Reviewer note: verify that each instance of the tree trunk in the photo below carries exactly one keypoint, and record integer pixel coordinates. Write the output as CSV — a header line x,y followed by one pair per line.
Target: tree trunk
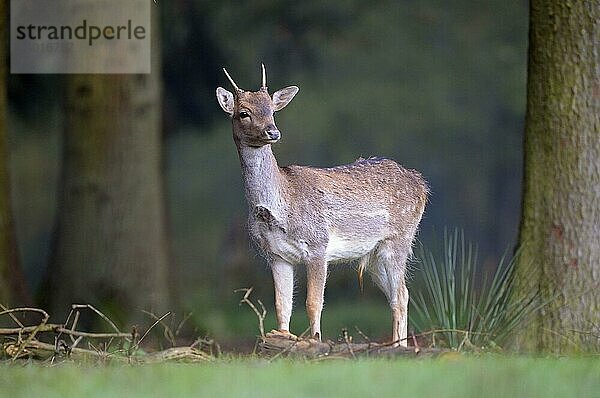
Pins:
x,y
13,289
560,226
110,245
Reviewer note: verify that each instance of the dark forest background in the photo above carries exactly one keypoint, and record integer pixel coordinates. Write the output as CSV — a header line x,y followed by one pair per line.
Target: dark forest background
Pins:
x,y
437,87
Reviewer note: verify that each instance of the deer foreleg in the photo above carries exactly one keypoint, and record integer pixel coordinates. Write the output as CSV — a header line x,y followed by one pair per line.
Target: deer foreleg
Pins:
x,y
283,278
316,275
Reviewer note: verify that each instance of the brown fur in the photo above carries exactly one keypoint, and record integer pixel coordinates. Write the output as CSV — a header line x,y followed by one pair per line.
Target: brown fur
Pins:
x,y
367,211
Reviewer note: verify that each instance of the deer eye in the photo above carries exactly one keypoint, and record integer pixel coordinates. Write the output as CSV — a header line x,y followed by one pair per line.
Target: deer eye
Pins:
x,y
244,115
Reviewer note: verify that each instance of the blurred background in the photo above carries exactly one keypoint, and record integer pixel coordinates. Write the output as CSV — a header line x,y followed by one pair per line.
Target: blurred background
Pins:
x,y
438,86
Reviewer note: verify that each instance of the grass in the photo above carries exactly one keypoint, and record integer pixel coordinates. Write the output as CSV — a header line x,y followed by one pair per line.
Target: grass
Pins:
x,y
452,377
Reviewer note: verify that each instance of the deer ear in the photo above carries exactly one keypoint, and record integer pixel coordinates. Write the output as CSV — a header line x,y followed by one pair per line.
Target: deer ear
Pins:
x,y
225,99
283,97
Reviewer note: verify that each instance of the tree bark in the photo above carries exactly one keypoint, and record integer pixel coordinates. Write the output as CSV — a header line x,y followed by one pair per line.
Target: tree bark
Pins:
x,y
13,288
110,246
560,226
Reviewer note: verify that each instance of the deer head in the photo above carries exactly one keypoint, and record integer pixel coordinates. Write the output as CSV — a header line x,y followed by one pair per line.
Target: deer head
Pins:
x,y
252,111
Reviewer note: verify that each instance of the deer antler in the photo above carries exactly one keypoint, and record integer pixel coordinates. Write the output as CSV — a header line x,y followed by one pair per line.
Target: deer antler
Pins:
x,y
264,77
231,81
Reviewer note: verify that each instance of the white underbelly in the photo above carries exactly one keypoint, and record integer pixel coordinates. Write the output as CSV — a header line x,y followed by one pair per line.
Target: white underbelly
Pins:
x,y
342,248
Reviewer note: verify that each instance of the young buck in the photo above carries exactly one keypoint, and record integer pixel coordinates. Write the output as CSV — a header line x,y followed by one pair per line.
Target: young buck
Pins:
x,y
365,212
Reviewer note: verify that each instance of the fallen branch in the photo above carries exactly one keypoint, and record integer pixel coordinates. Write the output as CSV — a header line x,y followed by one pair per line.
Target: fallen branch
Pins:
x,y
177,354
42,350
56,328
286,350
314,349
22,341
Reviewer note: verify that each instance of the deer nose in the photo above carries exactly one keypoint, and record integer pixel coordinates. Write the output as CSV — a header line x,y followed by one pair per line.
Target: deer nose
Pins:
x,y
273,134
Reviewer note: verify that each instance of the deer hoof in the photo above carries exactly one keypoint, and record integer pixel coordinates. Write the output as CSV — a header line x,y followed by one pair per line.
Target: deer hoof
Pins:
x,y
282,334
399,343
315,339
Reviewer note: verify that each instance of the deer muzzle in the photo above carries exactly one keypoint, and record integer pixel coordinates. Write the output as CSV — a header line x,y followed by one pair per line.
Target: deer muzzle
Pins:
x,y
272,135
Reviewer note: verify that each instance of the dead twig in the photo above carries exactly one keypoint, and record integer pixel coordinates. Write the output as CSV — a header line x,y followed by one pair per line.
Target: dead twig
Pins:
x,y
361,334
167,332
35,330
433,333
586,333
98,312
415,342
260,314
12,315
183,321
136,346
24,309
210,343
80,353
347,340
562,336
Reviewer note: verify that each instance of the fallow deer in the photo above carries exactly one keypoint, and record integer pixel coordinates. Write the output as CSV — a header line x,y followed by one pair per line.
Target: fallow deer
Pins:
x,y
366,212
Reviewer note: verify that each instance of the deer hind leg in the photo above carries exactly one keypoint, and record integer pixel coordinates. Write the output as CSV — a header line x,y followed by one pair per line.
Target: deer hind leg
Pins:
x,y
388,269
283,278
316,275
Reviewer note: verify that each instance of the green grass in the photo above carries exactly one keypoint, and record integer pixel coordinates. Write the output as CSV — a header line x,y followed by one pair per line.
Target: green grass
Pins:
x,y
457,377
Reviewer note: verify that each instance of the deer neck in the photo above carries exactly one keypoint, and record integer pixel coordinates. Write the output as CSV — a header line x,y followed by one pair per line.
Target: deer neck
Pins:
x,y
263,181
